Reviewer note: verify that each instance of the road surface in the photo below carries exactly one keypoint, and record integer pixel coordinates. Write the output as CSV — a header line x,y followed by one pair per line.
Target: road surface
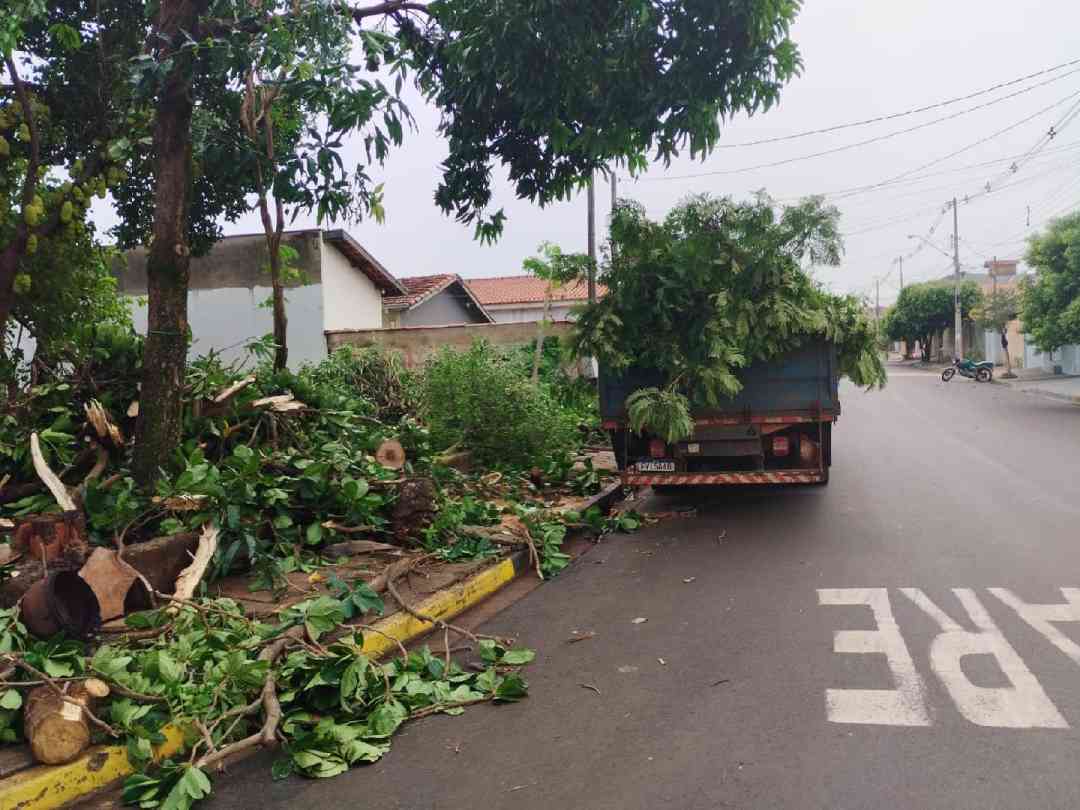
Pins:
x,y
750,685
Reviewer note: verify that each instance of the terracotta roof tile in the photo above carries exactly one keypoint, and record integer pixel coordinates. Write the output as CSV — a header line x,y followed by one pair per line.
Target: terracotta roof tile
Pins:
x,y
524,290
416,288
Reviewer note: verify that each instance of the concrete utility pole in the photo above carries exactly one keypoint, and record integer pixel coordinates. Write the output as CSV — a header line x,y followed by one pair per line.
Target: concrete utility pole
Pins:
x,y
877,302
901,260
592,239
614,202
958,326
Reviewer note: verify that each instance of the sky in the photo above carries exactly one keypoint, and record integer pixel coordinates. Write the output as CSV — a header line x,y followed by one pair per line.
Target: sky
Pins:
x,y
862,59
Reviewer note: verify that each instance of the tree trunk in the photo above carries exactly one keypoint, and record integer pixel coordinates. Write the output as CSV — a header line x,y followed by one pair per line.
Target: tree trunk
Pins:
x,y
157,432
273,247
540,336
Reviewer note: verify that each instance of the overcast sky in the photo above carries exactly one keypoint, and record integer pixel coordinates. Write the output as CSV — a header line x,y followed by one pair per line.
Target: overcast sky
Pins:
x,y
863,58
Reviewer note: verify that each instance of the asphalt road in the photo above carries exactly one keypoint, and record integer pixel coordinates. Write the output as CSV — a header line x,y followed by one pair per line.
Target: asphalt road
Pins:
x,y
722,698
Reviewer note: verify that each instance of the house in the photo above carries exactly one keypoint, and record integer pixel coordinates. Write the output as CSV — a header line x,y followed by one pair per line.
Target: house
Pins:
x,y
516,299
338,285
441,300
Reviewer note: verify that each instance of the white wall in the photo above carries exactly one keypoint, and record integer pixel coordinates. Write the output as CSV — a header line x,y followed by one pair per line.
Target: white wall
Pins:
x,y
350,299
226,319
508,313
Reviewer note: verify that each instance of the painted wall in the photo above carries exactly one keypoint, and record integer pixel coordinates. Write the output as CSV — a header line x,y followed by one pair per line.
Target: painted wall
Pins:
x,y
1067,357
417,344
226,319
350,300
508,313
448,307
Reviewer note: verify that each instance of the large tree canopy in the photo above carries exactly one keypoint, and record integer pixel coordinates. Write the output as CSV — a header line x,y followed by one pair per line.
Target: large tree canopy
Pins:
x,y
719,285
1050,303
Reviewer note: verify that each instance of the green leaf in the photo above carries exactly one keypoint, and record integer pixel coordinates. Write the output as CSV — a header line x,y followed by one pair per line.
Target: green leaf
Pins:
x,y
512,688
384,721
323,615
517,657
10,699
314,534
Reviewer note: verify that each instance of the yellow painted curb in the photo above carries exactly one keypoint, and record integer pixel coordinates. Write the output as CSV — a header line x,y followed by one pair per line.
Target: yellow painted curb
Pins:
x,y
44,787
443,605
48,786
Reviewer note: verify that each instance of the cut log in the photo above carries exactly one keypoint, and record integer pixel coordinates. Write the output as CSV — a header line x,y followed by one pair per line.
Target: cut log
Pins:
x,y
277,399
191,576
181,503
462,460
56,726
53,538
48,477
133,409
117,586
415,509
391,454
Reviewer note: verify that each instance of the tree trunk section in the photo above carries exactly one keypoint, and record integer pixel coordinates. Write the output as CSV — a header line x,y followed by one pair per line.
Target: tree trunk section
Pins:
x,y
157,431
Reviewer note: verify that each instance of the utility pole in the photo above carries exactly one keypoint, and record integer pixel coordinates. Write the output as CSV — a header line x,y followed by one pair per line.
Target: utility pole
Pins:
x,y
958,326
877,302
592,239
901,273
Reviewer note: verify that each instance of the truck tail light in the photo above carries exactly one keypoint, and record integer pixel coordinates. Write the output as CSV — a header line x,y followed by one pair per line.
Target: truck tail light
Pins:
x,y
657,448
780,446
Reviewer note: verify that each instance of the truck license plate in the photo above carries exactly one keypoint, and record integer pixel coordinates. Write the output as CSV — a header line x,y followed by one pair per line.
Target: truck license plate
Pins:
x,y
656,466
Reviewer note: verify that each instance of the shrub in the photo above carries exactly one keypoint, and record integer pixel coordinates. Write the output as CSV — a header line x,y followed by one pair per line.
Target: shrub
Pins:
x,y
477,400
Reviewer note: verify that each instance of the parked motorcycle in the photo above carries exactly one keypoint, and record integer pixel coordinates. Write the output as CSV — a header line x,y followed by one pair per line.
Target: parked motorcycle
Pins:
x,y
980,372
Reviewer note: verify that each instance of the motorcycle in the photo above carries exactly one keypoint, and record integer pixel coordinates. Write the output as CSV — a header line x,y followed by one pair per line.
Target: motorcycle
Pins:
x,y
980,372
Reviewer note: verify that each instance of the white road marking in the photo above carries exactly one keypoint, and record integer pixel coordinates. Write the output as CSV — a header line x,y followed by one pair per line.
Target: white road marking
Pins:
x,y
1023,705
903,706
1041,616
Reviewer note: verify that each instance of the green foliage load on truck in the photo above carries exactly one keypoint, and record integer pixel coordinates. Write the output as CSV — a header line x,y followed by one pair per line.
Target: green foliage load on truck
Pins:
x,y
715,287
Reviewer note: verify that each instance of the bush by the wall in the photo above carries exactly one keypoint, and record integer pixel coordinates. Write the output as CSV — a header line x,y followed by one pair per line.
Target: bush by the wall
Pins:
x,y
480,401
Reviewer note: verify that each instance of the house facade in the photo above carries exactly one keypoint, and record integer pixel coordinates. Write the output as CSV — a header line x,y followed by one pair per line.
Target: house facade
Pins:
x,y
441,300
340,286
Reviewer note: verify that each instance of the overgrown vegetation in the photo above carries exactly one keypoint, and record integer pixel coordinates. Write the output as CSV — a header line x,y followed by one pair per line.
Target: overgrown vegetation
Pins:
x,y
280,487
478,400
717,286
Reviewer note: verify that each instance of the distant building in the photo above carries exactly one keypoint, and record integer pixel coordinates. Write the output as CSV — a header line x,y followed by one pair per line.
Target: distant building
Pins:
x,y
442,300
514,299
342,287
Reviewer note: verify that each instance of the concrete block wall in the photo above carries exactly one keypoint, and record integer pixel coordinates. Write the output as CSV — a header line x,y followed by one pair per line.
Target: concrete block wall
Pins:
x,y
417,344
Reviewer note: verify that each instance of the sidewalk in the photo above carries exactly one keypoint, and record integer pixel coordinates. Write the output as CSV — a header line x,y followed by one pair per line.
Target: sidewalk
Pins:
x,y
1055,386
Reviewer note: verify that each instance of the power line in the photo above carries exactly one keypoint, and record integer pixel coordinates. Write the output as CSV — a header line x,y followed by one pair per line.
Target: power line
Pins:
x,y
970,146
857,144
893,116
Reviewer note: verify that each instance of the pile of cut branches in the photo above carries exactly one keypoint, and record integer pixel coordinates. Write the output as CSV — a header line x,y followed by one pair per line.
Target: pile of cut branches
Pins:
x,y
715,287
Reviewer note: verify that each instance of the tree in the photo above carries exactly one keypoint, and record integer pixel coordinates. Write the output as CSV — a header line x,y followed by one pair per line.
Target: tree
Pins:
x,y
925,310
715,287
994,314
506,77
1050,302
557,269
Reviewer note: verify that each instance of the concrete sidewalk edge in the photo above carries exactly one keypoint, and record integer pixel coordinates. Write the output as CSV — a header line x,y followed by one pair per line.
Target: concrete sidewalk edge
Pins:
x,y
44,787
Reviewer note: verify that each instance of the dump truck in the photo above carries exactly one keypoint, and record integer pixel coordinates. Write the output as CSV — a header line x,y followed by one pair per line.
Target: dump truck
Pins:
x,y
776,430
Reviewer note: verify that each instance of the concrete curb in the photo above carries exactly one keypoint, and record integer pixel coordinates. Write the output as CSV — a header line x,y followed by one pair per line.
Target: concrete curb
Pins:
x,y
44,787
1072,399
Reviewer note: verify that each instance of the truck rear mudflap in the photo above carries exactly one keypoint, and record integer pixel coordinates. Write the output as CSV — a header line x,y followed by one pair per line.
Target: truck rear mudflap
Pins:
x,y
632,478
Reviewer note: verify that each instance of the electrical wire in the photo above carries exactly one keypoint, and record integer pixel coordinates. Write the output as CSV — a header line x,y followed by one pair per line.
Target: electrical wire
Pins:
x,y
894,116
856,144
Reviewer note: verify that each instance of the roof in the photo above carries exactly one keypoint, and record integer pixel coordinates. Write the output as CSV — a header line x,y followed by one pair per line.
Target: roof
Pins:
x,y
419,289
525,290
364,262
